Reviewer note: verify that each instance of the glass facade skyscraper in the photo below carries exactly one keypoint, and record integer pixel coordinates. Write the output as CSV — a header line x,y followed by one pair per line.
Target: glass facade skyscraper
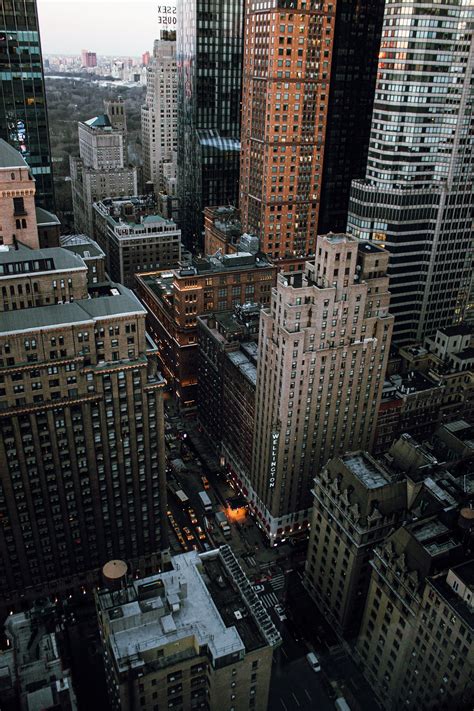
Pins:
x,y
356,45
209,58
417,195
23,116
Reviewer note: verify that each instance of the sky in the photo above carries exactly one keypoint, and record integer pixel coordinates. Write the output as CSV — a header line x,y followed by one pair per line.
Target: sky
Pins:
x,y
110,27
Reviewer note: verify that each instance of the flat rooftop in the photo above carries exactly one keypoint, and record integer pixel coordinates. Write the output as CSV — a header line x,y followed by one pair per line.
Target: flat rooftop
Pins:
x,y
410,383
206,597
121,303
461,329
367,470
241,361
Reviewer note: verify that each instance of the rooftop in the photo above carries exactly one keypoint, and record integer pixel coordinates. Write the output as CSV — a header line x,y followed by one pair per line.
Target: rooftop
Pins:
x,y
24,261
369,247
460,329
121,303
101,121
43,217
372,474
409,383
82,245
241,360
206,598
10,157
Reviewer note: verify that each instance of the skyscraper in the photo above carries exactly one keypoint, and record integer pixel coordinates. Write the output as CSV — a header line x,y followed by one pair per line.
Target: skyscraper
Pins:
x,y
159,114
81,427
416,198
308,87
355,56
287,70
323,350
23,115
209,55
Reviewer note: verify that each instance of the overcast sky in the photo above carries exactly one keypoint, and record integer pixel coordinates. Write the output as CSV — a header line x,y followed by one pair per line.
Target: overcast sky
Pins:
x,y
115,27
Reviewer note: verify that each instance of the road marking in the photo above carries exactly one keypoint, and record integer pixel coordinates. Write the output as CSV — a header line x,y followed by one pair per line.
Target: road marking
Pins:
x,y
297,702
308,694
283,704
269,600
283,652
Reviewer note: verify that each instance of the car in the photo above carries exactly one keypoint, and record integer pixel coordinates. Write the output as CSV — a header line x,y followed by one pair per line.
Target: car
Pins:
x,y
205,482
192,515
188,534
313,662
201,534
258,588
280,611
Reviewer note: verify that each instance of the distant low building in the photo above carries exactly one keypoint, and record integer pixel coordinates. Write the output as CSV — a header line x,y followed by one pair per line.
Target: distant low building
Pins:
x,y
196,637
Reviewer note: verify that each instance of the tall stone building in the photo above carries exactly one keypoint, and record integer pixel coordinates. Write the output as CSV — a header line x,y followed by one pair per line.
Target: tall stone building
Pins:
x,y
308,88
195,637
416,641
160,113
372,497
23,110
323,350
416,197
101,170
209,56
81,428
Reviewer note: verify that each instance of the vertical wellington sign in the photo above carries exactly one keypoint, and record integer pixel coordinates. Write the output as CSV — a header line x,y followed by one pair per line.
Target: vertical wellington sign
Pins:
x,y
167,16
273,458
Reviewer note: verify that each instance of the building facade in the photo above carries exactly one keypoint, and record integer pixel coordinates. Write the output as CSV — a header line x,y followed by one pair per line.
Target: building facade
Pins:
x,y
81,428
370,500
227,375
23,110
287,71
323,350
209,55
416,197
160,113
416,640
357,34
17,199
201,638
101,170
134,238
176,299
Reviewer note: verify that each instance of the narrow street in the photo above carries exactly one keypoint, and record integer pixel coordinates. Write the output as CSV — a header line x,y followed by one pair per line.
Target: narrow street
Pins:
x,y
277,577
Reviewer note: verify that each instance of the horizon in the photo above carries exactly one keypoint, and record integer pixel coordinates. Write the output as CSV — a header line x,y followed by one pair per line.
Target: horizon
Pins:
x,y
129,30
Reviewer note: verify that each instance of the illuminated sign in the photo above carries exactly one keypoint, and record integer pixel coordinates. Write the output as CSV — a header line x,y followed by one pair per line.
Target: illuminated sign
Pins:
x,y
273,459
167,15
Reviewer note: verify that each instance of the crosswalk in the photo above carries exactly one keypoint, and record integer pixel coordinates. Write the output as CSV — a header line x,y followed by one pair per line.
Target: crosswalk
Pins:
x,y
268,600
278,582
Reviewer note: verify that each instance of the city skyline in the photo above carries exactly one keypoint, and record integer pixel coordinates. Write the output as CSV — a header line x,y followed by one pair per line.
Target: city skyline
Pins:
x,y
121,33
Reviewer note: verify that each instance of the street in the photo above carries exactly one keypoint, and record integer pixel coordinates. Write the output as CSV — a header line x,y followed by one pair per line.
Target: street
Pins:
x,y
277,577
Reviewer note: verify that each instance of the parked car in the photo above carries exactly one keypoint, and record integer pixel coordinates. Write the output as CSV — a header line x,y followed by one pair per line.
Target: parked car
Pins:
x,y
313,662
280,611
258,589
